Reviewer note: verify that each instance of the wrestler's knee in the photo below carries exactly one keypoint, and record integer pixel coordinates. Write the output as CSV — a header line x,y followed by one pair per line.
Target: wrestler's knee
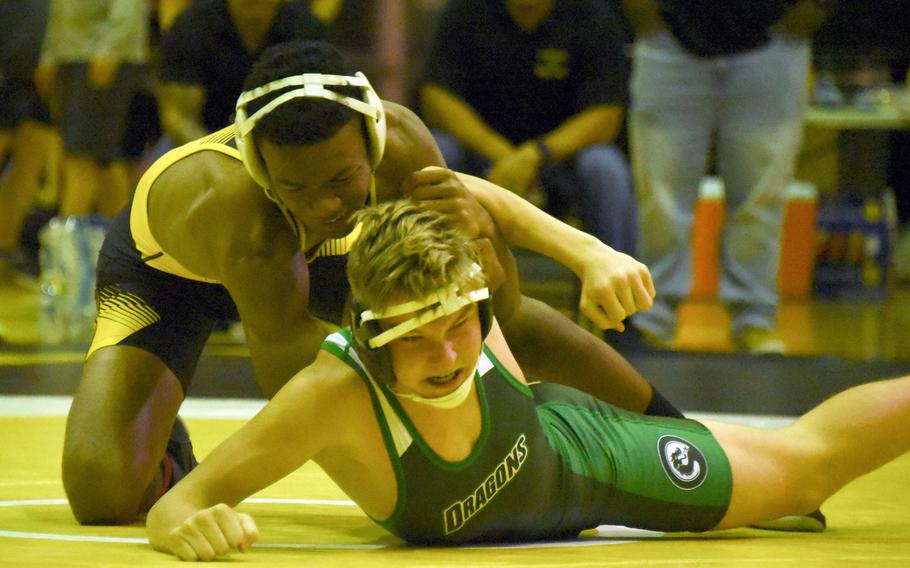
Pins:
x,y
102,489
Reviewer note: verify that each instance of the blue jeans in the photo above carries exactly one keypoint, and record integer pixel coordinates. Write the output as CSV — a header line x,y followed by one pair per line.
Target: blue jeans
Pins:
x,y
595,184
749,109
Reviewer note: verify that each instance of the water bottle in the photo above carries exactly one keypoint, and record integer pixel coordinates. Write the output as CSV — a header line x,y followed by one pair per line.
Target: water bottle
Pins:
x,y
68,257
710,213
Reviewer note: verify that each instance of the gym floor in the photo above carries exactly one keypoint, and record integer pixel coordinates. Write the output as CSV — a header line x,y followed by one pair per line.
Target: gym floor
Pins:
x,y
307,519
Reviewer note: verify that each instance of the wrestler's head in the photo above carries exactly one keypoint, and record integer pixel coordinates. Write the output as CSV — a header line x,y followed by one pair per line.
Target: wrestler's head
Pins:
x,y
422,306
310,132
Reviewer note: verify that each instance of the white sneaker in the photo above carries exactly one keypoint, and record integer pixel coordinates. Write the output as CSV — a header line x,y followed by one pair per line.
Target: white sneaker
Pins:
x,y
760,341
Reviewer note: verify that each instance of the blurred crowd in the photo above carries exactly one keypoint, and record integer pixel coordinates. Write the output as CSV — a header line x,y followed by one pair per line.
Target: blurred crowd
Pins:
x,y
608,113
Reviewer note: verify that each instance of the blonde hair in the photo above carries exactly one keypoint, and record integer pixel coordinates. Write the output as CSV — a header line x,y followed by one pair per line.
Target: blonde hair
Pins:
x,y
403,247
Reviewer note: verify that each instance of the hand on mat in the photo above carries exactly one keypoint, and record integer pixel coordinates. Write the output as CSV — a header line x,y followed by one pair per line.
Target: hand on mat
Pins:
x,y
213,532
613,287
441,190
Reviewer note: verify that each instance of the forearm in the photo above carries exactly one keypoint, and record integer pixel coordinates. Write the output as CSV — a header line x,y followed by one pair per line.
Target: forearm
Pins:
x,y
526,226
596,125
447,111
277,359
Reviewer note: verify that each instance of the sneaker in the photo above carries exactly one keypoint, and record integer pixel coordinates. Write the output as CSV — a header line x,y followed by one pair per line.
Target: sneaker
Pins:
x,y
178,461
655,342
180,452
635,340
760,341
813,522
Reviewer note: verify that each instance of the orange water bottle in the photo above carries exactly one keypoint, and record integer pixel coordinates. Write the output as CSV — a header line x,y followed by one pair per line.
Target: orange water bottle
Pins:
x,y
798,240
710,211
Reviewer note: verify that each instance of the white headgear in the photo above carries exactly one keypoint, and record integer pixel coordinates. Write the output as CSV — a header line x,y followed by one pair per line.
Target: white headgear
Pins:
x,y
310,85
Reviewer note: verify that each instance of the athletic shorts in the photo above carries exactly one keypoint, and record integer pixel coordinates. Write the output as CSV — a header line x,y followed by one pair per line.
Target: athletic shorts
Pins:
x,y
166,315
20,102
649,472
93,121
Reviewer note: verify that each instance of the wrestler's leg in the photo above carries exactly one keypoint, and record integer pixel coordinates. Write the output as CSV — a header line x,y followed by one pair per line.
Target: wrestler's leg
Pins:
x,y
116,433
792,470
550,347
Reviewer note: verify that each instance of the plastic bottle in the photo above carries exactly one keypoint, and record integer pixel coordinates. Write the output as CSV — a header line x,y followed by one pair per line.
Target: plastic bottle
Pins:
x,y
68,257
798,240
710,212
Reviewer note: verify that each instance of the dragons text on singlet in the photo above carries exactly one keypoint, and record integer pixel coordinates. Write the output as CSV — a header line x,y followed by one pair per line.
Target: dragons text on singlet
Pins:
x,y
460,512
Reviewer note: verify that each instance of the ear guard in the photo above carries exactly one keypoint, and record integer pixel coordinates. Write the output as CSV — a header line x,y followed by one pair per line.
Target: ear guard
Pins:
x,y
370,339
311,85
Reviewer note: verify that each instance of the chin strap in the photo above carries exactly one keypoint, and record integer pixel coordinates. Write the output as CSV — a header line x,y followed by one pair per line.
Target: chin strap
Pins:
x,y
446,401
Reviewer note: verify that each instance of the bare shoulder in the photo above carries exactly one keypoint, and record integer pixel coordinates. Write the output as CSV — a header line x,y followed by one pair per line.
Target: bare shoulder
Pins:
x,y
332,394
205,205
409,147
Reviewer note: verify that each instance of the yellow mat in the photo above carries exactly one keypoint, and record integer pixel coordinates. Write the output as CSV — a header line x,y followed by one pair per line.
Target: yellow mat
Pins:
x,y
306,520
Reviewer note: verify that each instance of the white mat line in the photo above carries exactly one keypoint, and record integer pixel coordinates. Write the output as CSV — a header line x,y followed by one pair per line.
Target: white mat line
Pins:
x,y
244,409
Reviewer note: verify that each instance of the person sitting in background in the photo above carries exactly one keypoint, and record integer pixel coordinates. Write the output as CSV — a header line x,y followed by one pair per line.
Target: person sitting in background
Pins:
x,y
210,48
532,92
421,414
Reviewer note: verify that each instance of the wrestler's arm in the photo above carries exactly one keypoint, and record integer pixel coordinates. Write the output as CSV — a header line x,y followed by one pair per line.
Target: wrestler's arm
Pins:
x,y
227,230
614,285
196,519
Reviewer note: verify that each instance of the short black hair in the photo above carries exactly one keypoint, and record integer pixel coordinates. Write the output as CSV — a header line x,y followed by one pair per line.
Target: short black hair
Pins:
x,y
303,120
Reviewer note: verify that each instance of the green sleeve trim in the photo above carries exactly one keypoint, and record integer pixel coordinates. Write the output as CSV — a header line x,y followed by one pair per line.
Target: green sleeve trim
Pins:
x,y
512,380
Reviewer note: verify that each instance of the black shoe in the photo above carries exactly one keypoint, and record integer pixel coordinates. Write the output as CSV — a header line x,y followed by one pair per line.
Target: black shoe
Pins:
x,y
813,522
634,340
180,452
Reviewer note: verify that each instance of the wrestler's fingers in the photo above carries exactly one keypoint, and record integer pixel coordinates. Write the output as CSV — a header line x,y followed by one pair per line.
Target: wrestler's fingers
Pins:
x,y
605,313
644,297
250,532
229,524
428,183
188,543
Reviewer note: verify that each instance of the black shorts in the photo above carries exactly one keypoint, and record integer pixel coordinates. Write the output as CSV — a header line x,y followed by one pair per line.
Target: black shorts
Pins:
x,y
172,317
20,102
93,121
166,315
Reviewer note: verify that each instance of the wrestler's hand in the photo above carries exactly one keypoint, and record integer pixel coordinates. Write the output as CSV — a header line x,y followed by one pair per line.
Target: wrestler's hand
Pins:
x,y
492,268
613,287
441,190
212,532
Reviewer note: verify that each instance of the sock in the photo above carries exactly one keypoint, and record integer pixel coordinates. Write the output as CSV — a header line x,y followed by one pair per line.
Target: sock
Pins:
x,y
660,406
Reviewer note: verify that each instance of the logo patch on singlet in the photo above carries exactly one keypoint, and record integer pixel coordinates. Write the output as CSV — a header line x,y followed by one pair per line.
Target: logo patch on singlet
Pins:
x,y
684,464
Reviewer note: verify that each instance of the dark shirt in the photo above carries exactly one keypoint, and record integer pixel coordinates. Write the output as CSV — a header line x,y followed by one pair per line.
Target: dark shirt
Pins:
x,y
526,84
722,27
202,48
